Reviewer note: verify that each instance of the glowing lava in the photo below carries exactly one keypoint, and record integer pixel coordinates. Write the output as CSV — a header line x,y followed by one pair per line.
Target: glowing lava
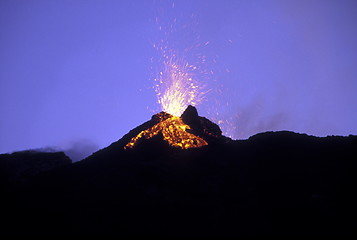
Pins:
x,y
174,132
176,90
176,87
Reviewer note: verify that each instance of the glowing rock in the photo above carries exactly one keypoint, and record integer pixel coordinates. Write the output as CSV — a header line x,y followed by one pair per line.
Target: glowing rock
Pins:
x,y
187,131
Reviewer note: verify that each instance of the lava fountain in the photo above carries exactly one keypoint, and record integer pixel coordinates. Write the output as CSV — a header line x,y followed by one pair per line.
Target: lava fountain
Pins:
x,y
176,90
175,86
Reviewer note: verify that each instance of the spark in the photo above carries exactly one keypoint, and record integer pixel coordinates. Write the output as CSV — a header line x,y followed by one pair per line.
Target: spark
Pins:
x,y
176,87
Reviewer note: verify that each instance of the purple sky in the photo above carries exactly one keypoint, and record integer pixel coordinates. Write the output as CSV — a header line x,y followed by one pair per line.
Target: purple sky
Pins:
x,y
80,72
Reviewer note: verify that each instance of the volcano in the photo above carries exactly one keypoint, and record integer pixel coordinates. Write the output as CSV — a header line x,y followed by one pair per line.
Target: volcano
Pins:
x,y
187,131
180,177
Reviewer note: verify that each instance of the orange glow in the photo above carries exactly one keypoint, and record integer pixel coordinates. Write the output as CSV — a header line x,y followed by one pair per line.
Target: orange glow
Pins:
x,y
174,132
175,89
175,86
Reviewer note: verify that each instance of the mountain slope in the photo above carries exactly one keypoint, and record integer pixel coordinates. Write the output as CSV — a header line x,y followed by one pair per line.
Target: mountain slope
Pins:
x,y
273,184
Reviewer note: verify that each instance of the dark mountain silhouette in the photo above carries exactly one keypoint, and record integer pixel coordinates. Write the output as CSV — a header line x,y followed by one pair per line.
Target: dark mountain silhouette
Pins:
x,y
273,184
199,126
22,166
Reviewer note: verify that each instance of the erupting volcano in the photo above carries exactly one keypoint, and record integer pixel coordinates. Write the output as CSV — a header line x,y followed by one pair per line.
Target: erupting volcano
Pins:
x,y
174,132
187,131
177,89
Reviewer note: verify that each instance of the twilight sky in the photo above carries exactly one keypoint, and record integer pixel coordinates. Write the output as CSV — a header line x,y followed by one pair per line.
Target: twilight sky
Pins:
x,y
79,74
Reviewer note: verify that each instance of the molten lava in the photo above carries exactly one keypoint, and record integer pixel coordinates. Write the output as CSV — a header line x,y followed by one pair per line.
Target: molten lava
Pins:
x,y
174,132
177,89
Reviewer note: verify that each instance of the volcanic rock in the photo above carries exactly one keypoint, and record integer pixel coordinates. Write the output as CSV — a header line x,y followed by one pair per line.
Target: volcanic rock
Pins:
x,y
203,127
205,130
190,117
20,166
274,184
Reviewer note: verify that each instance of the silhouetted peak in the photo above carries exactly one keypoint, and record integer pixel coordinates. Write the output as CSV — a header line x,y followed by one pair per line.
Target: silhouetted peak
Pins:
x,y
190,112
191,118
187,131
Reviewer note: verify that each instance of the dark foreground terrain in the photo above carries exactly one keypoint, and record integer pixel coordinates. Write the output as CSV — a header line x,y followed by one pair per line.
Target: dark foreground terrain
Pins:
x,y
273,184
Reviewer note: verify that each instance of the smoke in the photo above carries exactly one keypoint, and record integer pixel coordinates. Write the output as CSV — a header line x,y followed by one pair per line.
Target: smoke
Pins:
x,y
76,150
80,149
248,125
48,149
257,117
